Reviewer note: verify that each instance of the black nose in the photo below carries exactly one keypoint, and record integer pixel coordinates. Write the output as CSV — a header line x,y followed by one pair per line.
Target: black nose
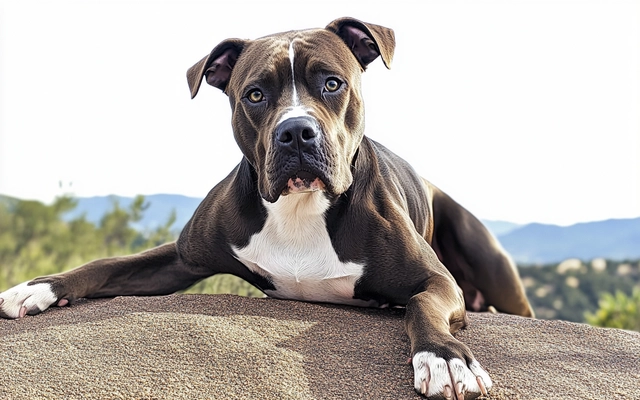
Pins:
x,y
298,133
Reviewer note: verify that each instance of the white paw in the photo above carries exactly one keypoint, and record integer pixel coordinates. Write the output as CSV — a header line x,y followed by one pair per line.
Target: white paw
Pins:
x,y
433,376
23,299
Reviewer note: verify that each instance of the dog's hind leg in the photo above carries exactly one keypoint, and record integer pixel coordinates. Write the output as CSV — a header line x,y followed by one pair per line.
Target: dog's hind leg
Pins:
x,y
476,260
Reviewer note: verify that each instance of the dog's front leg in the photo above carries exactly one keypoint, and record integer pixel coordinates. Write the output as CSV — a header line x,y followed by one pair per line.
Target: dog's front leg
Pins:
x,y
153,272
443,366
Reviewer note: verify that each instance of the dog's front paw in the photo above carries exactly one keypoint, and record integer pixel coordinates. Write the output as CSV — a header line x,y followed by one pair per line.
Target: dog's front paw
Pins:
x,y
454,379
26,299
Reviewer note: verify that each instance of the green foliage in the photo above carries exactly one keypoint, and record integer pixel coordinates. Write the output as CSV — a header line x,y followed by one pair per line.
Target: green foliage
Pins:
x,y
115,225
36,240
227,284
557,292
617,311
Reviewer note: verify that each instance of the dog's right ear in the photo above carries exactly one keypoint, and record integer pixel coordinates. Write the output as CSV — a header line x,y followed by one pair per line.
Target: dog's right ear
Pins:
x,y
366,41
216,67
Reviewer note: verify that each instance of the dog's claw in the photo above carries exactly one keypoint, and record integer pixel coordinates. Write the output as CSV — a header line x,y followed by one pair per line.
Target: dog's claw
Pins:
x,y
460,390
423,387
23,311
448,393
63,302
483,389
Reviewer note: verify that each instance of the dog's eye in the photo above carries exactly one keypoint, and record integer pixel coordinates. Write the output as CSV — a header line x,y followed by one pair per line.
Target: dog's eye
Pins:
x,y
332,84
255,96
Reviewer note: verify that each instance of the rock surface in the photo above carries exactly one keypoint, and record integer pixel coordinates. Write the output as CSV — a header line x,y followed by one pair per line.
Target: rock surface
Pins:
x,y
229,347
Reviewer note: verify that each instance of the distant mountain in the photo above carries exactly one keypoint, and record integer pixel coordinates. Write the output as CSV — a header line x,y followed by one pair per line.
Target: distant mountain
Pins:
x,y
615,239
160,207
7,200
500,227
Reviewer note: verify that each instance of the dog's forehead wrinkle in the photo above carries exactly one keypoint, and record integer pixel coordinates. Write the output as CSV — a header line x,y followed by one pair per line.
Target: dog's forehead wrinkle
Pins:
x,y
261,62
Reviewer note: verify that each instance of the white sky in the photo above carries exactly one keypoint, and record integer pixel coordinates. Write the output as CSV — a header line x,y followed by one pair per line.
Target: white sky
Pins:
x,y
521,110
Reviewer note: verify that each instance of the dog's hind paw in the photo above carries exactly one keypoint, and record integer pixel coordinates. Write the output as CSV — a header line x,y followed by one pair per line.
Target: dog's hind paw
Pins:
x,y
452,380
26,299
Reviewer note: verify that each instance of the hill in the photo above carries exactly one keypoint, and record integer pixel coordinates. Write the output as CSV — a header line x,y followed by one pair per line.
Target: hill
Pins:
x,y
500,227
8,200
613,239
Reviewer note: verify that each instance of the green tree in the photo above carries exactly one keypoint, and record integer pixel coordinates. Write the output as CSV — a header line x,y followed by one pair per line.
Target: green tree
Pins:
x,y
617,311
116,226
36,240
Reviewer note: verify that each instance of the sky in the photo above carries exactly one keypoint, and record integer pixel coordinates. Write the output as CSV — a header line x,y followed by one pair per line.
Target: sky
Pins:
x,y
524,111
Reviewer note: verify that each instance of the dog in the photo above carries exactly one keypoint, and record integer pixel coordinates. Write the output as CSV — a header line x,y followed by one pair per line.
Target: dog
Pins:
x,y
316,211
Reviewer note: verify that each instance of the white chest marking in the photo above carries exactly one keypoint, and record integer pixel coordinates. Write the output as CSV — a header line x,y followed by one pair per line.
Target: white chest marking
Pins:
x,y
296,109
295,252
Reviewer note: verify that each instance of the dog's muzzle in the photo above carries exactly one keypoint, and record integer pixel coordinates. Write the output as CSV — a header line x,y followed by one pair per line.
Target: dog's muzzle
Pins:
x,y
299,163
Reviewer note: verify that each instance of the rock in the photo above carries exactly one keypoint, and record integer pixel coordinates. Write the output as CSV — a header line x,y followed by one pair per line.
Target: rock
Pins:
x,y
229,347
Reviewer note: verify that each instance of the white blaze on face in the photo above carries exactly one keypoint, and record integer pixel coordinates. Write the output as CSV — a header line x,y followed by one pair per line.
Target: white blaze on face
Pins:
x,y
296,109
293,76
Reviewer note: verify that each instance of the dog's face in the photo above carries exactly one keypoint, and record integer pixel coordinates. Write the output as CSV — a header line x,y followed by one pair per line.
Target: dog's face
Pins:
x,y
297,109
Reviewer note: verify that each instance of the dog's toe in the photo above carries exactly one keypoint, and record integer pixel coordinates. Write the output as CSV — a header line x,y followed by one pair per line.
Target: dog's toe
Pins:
x,y
26,299
454,379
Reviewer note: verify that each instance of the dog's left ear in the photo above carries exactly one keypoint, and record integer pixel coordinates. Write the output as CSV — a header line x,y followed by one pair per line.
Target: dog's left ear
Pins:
x,y
217,66
366,41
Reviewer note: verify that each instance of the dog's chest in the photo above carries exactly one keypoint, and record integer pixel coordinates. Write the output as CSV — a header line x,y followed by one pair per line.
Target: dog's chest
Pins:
x,y
294,251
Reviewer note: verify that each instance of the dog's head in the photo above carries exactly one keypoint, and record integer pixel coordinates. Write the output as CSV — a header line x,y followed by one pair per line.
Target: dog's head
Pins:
x,y
297,109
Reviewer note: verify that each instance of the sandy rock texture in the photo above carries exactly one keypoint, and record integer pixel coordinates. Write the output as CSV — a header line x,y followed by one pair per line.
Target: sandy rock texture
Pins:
x,y
229,347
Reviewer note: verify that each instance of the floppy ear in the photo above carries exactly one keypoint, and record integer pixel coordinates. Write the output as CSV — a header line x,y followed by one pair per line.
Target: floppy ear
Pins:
x,y
216,67
366,41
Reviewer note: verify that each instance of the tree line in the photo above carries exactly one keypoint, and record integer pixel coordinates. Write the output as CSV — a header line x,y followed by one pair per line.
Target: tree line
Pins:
x,y
38,239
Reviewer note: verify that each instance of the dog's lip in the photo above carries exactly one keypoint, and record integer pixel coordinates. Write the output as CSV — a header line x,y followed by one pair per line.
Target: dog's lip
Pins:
x,y
303,182
304,176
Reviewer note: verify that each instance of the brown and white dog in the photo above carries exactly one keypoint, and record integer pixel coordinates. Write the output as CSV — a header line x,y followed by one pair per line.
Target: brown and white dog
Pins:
x,y
316,211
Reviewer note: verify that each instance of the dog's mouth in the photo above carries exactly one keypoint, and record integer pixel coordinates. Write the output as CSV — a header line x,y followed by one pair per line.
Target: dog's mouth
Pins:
x,y
303,182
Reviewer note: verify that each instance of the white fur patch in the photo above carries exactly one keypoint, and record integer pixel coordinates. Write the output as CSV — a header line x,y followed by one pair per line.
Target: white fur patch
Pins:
x,y
293,77
294,250
33,297
434,373
295,110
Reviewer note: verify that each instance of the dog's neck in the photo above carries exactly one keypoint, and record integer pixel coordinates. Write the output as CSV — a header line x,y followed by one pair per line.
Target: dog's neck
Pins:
x,y
296,214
